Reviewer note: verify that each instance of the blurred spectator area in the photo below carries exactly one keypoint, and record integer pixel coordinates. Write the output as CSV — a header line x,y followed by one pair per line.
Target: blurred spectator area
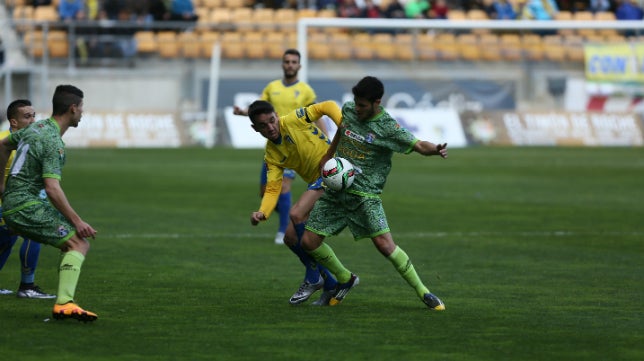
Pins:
x,y
248,30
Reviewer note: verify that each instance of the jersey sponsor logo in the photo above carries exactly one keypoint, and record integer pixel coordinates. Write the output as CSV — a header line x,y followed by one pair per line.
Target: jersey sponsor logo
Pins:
x,y
354,136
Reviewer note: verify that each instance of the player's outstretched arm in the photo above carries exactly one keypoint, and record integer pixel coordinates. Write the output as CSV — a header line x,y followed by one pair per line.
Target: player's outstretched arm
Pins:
x,y
428,148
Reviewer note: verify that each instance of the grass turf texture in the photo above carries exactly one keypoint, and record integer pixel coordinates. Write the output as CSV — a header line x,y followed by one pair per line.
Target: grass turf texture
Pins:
x,y
536,252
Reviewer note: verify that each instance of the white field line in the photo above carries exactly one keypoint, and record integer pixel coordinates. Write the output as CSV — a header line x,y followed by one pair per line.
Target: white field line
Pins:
x,y
398,235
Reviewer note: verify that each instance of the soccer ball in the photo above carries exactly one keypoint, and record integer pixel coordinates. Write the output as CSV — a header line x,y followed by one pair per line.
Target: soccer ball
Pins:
x,y
338,174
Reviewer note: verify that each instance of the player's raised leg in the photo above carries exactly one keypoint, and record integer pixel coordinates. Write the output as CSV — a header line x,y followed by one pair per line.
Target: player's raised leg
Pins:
x,y
400,260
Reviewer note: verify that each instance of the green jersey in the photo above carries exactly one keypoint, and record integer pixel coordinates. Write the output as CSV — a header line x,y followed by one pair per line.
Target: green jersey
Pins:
x,y
40,154
369,145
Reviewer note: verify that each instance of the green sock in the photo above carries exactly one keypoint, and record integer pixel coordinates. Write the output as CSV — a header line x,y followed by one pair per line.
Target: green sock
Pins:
x,y
403,265
68,275
325,256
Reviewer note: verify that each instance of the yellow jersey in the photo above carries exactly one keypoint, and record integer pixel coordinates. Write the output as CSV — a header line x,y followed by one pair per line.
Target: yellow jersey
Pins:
x,y
300,147
4,134
286,98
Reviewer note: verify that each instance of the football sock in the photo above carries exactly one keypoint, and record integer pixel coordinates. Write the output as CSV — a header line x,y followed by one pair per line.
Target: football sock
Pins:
x,y
68,275
312,273
29,252
6,244
283,208
325,256
329,280
403,265
299,230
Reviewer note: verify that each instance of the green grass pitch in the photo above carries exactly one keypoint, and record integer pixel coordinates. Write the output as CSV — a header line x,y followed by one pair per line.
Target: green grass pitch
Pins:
x,y
536,252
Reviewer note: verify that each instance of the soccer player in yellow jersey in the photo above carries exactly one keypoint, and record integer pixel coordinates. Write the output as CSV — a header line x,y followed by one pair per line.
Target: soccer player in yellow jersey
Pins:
x,y
294,142
20,113
286,94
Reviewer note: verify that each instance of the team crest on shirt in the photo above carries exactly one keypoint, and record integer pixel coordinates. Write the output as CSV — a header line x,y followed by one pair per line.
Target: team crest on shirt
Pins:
x,y
370,138
300,112
289,139
62,231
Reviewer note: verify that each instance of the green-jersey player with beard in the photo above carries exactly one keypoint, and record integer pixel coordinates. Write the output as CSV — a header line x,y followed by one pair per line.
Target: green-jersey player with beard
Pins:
x,y
368,138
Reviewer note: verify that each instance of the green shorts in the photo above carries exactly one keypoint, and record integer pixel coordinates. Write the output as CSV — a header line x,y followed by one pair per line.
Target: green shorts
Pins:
x,y
41,222
364,215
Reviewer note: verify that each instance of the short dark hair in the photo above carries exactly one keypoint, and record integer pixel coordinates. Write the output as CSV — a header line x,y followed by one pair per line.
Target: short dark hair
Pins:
x,y
370,88
259,107
64,97
292,52
12,109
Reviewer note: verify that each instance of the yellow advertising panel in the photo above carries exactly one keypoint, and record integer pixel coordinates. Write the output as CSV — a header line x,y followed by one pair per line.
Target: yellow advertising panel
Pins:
x,y
622,63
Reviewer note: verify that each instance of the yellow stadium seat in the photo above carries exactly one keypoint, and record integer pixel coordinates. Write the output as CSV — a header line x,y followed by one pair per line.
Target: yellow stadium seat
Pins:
x,y
264,19
190,45
168,45
510,45
446,46
564,15
362,46
341,46
532,47
285,19
426,47
490,48
207,40
35,43
146,42
57,44
553,48
242,19
383,46
405,46
232,45
235,4
468,45
254,44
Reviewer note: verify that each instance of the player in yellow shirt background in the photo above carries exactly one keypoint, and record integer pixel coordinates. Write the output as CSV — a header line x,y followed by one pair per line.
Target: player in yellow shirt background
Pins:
x,y
20,113
294,142
286,94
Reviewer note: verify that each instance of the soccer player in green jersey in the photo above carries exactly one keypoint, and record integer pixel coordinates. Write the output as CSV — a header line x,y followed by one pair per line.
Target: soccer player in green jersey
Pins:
x,y
367,137
286,95
20,113
294,142
40,157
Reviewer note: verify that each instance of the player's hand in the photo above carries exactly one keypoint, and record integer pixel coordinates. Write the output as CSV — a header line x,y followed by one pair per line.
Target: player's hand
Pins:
x,y
257,217
238,111
85,230
441,149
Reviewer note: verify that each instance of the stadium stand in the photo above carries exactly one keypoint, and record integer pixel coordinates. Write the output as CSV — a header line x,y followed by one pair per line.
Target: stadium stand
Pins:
x,y
219,18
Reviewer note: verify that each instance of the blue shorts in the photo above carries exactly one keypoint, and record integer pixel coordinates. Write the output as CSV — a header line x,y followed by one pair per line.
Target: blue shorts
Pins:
x,y
288,173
